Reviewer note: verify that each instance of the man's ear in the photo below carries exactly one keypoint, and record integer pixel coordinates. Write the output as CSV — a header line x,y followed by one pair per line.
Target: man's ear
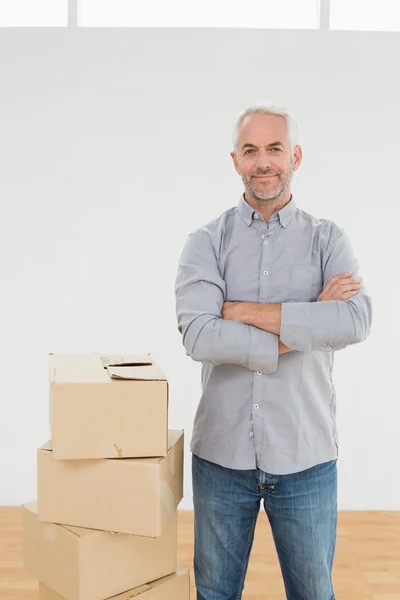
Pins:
x,y
235,162
298,157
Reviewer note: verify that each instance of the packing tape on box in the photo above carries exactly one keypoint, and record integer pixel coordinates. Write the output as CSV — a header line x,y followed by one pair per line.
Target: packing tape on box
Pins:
x,y
109,450
119,450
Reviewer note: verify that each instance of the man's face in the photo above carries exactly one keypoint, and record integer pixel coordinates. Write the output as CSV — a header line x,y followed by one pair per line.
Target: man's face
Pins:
x,y
263,149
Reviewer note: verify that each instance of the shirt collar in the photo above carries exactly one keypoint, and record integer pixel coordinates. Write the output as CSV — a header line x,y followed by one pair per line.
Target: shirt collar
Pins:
x,y
285,214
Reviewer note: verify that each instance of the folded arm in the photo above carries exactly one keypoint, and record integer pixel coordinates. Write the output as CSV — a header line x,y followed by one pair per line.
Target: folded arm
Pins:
x,y
325,325
332,324
200,292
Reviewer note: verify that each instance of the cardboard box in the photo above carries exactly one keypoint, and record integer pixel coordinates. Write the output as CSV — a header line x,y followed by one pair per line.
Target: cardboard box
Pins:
x,y
172,587
107,406
129,495
85,564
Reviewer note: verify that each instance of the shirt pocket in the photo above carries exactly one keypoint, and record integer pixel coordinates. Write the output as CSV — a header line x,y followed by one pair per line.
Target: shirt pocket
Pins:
x,y
305,284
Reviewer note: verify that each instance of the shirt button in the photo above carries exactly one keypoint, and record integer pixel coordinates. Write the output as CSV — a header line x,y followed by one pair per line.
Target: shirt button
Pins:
x,y
284,223
248,221
263,236
266,242
256,216
329,347
265,272
259,372
256,406
251,434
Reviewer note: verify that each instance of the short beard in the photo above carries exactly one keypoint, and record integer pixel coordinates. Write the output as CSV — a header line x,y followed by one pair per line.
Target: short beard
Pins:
x,y
277,192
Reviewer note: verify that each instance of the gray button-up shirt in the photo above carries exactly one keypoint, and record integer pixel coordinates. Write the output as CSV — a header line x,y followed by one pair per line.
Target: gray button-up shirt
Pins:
x,y
258,408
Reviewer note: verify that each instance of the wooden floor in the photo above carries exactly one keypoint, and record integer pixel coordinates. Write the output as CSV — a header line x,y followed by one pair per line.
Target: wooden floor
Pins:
x,y
366,565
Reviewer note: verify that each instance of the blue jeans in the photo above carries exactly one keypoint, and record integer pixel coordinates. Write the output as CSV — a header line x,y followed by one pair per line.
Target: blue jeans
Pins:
x,y
301,509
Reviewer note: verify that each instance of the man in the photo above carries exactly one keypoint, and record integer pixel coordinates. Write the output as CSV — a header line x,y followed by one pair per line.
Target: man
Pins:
x,y
265,294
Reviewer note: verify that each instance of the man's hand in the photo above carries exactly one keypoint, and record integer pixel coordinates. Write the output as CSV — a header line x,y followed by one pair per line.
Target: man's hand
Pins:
x,y
340,287
282,349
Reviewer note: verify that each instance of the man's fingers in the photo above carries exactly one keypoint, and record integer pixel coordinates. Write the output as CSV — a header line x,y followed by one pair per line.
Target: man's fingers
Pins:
x,y
336,279
341,280
350,286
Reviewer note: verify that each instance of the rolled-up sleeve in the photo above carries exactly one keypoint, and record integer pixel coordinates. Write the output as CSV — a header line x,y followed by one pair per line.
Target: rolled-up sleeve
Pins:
x,y
200,292
331,324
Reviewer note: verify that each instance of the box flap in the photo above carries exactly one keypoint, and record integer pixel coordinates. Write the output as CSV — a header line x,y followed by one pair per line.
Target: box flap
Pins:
x,y
102,368
47,446
31,506
173,436
148,373
137,591
117,360
152,585
78,531
132,366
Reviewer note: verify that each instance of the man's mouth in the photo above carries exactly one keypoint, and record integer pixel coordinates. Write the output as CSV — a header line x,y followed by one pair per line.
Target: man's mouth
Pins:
x,y
263,176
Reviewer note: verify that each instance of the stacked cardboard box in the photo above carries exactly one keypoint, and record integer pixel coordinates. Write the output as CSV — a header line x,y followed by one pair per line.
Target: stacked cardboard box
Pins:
x,y
109,483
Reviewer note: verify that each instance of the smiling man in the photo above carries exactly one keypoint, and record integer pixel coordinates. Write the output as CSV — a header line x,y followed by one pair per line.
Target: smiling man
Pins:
x,y
265,295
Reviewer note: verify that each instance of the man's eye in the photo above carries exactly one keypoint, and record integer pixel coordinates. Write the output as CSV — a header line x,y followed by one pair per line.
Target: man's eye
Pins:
x,y
252,150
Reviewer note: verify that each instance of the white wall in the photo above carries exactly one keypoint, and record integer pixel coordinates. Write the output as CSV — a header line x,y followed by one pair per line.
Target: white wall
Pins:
x,y
114,145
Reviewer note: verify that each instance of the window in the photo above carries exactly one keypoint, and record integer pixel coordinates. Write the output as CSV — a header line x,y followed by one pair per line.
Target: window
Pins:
x,y
355,15
33,13
285,14
365,15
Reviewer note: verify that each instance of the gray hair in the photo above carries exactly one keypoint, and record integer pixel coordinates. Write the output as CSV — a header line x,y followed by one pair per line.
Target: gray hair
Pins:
x,y
267,108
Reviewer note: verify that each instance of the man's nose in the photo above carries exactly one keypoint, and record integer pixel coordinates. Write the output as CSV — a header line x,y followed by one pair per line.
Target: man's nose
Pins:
x,y
264,160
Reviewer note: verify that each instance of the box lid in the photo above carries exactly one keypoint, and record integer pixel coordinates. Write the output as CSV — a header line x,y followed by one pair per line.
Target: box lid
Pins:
x,y
102,368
